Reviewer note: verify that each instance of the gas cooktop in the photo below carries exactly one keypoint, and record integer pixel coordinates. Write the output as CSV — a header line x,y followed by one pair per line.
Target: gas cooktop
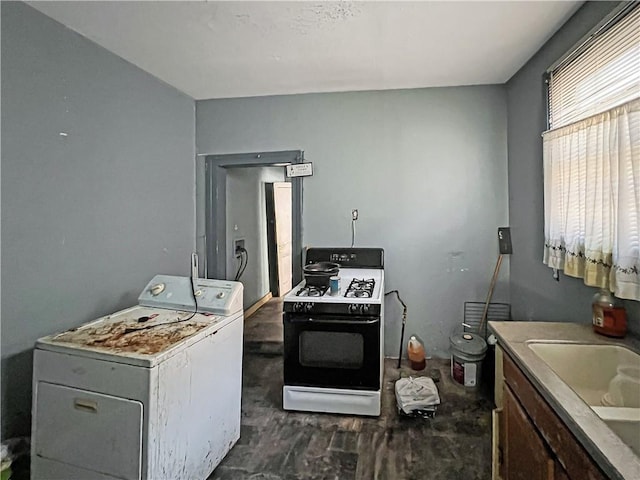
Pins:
x,y
360,293
358,288
356,285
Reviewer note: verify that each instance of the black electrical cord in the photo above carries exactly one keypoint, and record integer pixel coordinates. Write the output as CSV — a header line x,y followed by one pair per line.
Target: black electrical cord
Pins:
x,y
180,320
244,261
404,321
195,303
239,255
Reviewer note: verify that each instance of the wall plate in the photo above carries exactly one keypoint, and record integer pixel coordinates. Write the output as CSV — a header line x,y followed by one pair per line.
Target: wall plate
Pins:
x,y
504,241
238,246
300,170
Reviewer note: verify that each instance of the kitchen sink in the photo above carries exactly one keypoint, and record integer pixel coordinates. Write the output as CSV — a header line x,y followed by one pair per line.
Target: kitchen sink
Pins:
x,y
625,422
588,369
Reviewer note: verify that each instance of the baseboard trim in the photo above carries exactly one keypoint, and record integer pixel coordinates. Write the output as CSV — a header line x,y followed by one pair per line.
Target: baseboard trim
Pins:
x,y
254,308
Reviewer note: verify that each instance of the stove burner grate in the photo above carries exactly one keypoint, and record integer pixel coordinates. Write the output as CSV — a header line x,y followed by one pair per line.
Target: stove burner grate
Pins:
x,y
360,288
312,291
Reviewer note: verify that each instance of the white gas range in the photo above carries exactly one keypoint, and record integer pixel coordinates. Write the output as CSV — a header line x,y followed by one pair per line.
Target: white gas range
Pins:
x,y
333,343
149,392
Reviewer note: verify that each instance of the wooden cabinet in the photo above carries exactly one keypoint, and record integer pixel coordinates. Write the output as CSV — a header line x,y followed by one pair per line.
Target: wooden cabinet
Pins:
x,y
532,442
559,473
525,454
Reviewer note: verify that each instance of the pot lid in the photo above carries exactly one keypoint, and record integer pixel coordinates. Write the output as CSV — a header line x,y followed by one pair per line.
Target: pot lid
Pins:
x,y
469,343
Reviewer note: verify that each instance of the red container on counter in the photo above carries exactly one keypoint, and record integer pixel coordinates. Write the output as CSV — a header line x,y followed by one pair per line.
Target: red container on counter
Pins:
x,y
609,318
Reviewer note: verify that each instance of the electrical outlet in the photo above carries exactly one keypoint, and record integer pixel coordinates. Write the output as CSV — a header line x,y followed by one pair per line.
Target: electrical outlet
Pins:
x,y
238,246
354,214
194,265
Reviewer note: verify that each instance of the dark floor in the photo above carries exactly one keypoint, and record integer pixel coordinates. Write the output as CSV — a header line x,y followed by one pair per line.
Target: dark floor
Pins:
x,y
263,331
277,444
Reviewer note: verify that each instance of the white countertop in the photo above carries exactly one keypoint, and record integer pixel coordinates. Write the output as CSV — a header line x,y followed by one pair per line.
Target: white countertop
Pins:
x,y
613,456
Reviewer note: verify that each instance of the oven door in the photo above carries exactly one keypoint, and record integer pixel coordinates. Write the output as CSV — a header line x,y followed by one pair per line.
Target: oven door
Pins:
x,y
332,351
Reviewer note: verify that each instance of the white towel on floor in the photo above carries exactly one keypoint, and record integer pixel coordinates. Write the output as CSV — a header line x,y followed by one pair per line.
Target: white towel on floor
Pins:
x,y
419,393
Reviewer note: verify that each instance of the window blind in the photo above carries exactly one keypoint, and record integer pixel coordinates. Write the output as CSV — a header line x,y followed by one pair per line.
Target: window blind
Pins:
x,y
606,74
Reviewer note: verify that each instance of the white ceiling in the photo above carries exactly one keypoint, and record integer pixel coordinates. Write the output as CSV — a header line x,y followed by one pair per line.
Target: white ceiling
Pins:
x,y
211,49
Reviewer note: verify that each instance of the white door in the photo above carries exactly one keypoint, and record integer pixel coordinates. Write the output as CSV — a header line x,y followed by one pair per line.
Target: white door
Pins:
x,y
282,207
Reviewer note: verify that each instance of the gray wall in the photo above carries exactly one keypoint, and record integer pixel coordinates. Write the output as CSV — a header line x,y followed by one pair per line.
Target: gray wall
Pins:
x,y
426,168
534,293
87,218
246,218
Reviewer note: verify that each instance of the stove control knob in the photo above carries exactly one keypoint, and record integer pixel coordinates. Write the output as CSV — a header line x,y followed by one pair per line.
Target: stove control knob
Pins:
x,y
365,308
355,308
302,306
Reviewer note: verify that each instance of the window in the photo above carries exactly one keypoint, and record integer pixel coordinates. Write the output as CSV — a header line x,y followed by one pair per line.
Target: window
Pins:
x,y
592,160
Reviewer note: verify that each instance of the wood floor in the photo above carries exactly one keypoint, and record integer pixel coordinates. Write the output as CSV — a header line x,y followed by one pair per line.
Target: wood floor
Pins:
x,y
283,445
263,331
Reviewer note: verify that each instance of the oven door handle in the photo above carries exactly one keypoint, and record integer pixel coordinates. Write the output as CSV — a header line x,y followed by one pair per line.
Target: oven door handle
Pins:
x,y
335,322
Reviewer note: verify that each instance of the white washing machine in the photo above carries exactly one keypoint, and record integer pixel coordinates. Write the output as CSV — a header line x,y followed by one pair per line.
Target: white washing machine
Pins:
x,y
150,392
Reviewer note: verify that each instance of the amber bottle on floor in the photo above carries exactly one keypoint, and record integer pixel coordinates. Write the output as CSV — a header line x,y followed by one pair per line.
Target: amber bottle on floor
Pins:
x,y
416,354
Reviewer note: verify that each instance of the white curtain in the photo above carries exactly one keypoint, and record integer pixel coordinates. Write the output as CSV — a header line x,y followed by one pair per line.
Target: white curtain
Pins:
x,y
592,200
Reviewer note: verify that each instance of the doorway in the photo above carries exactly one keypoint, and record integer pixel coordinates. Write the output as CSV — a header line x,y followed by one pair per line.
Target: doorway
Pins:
x,y
248,195
216,171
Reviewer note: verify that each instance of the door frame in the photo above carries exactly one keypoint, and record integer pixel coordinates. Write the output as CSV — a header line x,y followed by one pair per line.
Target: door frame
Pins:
x,y
216,206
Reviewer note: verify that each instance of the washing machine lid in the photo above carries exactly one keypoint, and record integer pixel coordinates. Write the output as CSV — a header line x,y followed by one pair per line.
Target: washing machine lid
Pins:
x,y
138,335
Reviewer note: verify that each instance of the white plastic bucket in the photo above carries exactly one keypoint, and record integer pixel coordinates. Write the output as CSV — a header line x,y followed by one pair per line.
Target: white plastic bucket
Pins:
x,y
467,353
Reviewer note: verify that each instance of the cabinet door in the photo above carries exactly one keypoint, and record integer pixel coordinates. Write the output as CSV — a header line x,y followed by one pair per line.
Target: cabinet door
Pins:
x,y
526,456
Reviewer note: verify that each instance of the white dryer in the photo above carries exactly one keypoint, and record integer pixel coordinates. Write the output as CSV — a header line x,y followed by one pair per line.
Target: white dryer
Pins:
x,y
151,392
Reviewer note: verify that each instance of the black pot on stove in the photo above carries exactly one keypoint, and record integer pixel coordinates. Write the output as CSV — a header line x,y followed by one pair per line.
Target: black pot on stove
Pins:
x,y
318,274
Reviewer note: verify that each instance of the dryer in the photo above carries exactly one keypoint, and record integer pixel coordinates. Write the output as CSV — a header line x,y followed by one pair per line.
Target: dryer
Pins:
x,y
149,392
